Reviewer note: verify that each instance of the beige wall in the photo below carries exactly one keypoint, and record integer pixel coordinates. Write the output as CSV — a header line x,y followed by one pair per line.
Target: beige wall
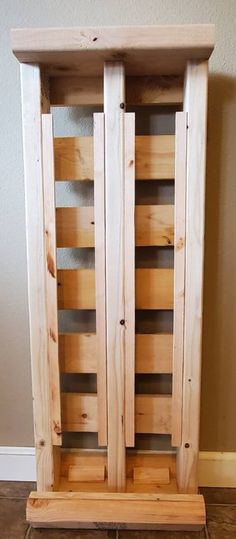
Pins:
x,y
219,337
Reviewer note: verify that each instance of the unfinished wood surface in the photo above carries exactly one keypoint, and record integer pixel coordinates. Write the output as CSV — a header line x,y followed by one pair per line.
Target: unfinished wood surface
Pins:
x,y
51,276
99,212
179,275
75,227
153,353
147,50
134,511
77,91
195,104
80,458
79,412
153,414
154,158
32,145
160,476
114,95
86,473
154,225
154,288
129,276
76,289
77,352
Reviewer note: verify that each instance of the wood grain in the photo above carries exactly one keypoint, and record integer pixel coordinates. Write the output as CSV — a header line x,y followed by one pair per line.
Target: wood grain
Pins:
x,y
154,158
153,414
159,476
51,276
86,473
79,412
154,225
77,352
153,353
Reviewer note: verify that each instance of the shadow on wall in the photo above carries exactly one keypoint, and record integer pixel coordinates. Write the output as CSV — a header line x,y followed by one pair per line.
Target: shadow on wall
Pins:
x,y
219,322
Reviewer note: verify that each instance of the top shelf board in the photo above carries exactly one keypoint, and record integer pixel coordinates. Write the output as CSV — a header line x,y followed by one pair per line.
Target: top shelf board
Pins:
x,y
145,50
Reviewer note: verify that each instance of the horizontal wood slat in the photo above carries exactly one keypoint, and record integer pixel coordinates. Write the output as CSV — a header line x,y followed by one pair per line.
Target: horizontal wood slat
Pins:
x,y
74,91
154,225
77,353
159,476
154,289
152,413
154,158
153,353
79,412
86,473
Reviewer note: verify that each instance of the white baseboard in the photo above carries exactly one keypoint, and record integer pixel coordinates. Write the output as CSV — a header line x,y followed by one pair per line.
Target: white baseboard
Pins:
x,y
216,469
17,464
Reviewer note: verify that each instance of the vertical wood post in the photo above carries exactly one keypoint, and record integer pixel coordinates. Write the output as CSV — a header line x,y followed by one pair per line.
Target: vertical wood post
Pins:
x,y
100,274
51,276
195,104
179,275
114,99
32,102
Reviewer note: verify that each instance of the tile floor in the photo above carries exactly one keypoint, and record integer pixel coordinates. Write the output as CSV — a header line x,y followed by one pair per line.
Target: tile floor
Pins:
x,y
221,518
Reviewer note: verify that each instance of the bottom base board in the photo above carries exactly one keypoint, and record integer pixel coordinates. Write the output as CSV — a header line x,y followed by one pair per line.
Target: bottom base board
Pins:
x,y
116,511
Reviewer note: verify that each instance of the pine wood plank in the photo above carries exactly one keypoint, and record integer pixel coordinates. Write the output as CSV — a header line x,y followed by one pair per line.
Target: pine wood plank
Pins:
x,y
154,225
179,275
195,104
77,352
160,476
51,276
129,277
147,50
77,91
154,289
32,150
76,289
114,95
75,227
100,278
79,412
153,353
90,510
154,158
153,414
86,473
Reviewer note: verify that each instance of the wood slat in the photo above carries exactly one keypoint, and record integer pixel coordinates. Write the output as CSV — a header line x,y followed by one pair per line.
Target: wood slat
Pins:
x,y
31,92
75,227
76,289
86,473
153,353
79,412
195,105
154,289
154,158
179,275
154,225
129,277
114,94
77,352
100,274
77,91
153,414
159,476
